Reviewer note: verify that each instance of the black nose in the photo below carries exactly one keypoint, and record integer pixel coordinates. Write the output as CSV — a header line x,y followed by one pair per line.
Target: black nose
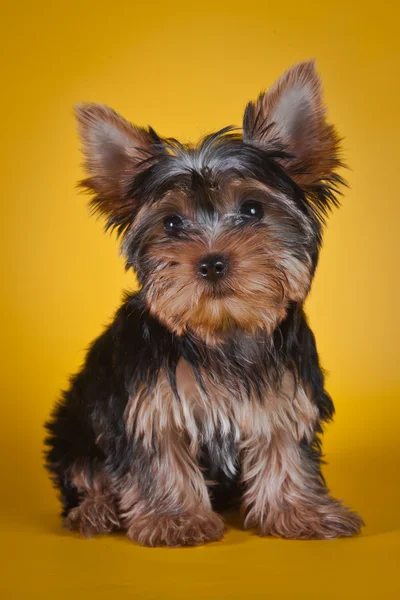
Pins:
x,y
213,267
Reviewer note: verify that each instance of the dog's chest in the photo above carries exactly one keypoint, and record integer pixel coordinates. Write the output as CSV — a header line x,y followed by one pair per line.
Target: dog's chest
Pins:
x,y
208,406
219,408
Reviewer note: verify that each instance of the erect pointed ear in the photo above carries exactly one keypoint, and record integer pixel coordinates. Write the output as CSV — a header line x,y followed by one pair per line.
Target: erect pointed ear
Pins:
x,y
290,116
115,151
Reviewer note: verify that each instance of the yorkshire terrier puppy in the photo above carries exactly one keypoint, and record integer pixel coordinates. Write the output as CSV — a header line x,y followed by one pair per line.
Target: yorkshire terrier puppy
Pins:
x,y
206,389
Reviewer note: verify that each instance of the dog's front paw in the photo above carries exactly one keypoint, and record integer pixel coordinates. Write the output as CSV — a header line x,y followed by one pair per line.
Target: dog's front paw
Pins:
x,y
97,515
185,529
327,520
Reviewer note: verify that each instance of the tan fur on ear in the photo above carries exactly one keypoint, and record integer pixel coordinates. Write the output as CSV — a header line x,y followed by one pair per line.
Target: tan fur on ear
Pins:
x,y
114,152
291,116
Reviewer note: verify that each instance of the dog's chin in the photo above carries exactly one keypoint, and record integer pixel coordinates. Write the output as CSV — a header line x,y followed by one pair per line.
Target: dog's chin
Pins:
x,y
213,331
217,292
213,314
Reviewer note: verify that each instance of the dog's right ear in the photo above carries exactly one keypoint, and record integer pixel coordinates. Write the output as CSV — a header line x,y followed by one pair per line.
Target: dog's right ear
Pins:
x,y
291,116
115,152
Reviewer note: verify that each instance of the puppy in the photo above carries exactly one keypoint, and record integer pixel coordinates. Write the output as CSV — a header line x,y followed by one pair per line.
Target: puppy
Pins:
x,y
206,389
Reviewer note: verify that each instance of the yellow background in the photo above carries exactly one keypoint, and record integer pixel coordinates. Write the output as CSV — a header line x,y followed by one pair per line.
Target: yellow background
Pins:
x,y
187,69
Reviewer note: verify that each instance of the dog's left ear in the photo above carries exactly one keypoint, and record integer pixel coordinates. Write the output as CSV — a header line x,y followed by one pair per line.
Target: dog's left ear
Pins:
x,y
290,117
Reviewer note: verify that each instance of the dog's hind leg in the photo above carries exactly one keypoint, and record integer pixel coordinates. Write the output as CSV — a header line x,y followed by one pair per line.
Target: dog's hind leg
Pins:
x,y
75,462
96,512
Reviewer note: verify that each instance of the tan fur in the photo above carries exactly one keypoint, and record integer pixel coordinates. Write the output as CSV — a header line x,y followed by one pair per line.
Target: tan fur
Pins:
x,y
264,276
294,108
182,529
178,511
202,414
282,495
97,513
175,515
285,498
276,204
113,149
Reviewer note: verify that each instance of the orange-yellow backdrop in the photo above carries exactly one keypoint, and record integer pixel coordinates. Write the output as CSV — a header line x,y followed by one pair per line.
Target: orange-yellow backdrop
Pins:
x,y
188,68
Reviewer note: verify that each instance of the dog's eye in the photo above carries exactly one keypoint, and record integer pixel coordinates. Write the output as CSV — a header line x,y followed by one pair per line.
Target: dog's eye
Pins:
x,y
173,223
252,209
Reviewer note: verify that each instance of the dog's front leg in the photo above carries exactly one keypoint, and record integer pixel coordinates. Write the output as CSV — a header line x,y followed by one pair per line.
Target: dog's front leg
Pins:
x,y
165,500
285,494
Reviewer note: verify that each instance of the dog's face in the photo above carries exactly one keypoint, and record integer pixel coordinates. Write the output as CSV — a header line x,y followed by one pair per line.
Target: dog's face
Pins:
x,y
224,235
222,241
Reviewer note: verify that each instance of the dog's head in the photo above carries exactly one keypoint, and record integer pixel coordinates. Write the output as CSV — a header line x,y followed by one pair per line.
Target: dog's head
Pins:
x,y
224,235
